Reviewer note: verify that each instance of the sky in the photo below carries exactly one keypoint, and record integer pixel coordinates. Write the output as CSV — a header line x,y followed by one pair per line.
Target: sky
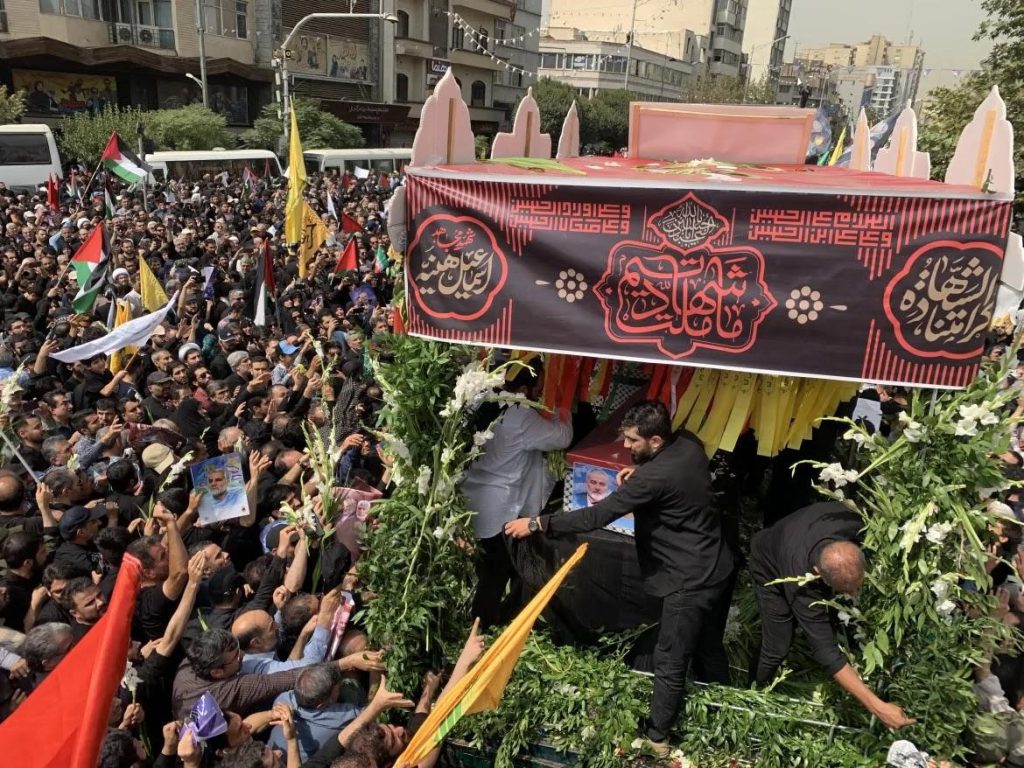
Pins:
x,y
942,27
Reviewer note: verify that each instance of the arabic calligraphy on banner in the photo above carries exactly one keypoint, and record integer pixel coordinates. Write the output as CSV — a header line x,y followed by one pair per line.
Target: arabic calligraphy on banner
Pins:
x,y
711,277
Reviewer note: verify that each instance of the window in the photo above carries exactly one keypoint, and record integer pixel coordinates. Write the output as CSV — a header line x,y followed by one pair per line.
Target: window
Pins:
x,y
458,37
211,17
549,61
402,29
478,94
3,17
242,19
401,87
512,35
49,6
24,149
483,39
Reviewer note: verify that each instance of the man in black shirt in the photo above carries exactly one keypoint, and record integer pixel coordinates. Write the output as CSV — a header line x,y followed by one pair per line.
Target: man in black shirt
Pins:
x,y
821,539
78,528
683,556
25,555
164,574
158,404
84,602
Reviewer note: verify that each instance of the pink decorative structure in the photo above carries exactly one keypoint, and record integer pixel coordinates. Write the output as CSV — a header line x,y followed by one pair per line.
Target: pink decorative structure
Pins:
x,y
569,140
860,153
526,140
396,219
736,133
445,134
901,157
984,155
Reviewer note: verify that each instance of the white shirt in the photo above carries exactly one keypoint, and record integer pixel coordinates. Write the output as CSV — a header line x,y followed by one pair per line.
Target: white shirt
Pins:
x,y
511,478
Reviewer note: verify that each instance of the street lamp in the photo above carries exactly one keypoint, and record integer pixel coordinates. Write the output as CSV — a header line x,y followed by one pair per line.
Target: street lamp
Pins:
x,y
200,83
285,96
750,62
201,32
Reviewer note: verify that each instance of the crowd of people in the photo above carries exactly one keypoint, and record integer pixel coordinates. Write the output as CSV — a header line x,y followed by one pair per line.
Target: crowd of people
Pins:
x,y
241,656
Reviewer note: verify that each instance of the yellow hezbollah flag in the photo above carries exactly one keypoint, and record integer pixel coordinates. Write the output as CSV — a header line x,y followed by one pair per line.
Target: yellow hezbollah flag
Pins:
x,y
122,315
314,232
296,183
153,295
482,688
838,151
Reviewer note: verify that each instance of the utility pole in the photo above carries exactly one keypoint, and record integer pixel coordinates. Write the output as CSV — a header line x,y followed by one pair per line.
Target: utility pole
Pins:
x,y
201,30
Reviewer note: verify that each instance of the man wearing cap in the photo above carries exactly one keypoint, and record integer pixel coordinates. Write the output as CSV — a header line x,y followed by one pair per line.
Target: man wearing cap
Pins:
x,y
78,529
158,404
228,340
282,373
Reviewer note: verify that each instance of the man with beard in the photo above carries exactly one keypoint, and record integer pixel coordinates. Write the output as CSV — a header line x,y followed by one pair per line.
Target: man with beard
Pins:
x,y
683,556
122,284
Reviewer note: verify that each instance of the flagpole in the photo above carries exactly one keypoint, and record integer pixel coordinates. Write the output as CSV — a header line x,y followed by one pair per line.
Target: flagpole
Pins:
x,y
21,459
142,156
88,186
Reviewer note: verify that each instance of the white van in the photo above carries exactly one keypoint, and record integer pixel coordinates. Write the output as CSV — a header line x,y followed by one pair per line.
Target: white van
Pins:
x,y
376,160
28,155
192,166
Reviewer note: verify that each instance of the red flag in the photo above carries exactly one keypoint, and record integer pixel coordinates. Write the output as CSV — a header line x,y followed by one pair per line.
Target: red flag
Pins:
x,y
349,260
63,722
52,193
346,181
349,225
384,182
397,323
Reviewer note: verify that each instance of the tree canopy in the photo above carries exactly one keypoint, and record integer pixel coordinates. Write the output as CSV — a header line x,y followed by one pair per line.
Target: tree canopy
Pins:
x,y
317,129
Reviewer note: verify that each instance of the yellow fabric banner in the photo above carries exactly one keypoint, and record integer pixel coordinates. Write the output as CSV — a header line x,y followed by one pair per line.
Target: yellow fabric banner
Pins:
x,y
154,296
314,232
296,184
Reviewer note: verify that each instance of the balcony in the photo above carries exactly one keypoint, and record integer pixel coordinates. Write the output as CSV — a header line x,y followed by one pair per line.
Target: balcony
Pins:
x,y
502,9
407,46
476,60
143,36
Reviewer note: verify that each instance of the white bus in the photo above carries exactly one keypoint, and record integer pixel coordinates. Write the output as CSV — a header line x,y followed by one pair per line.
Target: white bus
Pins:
x,y
192,166
376,160
28,155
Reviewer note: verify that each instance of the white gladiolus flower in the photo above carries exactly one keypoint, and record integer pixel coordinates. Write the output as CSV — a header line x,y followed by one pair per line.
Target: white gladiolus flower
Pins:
x,y
399,448
999,509
940,588
130,681
844,617
637,744
439,533
856,436
938,532
480,438
914,431
423,480
177,468
945,608
588,733
966,428
834,473
472,388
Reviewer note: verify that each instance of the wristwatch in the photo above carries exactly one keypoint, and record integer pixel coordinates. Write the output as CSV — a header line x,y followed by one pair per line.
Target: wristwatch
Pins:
x,y
534,525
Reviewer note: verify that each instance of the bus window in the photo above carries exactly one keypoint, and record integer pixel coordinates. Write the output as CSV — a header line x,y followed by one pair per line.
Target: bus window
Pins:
x,y
312,165
24,149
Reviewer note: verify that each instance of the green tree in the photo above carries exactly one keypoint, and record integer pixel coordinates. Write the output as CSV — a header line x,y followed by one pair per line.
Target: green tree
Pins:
x,y
714,89
317,129
12,106
604,120
483,147
82,136
950,109
188,128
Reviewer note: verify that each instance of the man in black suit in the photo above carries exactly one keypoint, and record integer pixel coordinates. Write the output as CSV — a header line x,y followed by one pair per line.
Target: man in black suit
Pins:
x,y
822,540
683,556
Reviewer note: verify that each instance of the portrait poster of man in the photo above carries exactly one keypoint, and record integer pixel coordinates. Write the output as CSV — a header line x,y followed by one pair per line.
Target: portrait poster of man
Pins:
x,y
591,484
223,487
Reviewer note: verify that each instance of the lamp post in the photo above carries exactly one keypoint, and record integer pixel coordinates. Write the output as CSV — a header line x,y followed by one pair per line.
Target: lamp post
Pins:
x,y
200,83
201,31
629,47
750,62
285,96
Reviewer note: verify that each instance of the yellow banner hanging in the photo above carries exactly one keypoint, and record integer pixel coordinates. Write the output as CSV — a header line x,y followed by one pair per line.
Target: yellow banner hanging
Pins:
x,y
296,184
154,297
122,314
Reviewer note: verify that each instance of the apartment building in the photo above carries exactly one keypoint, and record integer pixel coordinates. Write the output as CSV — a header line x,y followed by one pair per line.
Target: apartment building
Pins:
x,y
714,28
764,38
894,69
590,66
77,55
491,45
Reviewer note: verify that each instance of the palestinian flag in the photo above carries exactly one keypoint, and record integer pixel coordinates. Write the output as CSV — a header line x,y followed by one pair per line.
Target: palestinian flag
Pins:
x,y
73,191
264,287
380,261
120,161
91,265
249,179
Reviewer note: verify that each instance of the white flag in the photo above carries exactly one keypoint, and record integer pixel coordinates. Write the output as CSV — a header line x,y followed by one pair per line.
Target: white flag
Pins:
x,y
361,173
134,333
330,207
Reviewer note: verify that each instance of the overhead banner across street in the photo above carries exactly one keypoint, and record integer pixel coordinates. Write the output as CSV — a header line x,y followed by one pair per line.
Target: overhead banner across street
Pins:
x,y
826,272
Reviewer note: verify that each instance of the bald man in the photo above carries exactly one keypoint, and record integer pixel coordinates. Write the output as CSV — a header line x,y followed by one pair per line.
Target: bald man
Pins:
x,y
822,539
257,635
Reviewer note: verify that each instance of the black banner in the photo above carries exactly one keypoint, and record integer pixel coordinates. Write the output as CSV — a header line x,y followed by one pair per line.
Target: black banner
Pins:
x,y
863,287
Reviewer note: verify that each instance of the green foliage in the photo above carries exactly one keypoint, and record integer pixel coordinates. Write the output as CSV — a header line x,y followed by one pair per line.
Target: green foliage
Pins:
x,y
605,119
12,106
482,147
317,129
188,128
553,100
82,136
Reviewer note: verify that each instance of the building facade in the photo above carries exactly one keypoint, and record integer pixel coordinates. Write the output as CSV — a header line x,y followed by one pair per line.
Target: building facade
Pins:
x,y
709,31
80,55
591,66
764,38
